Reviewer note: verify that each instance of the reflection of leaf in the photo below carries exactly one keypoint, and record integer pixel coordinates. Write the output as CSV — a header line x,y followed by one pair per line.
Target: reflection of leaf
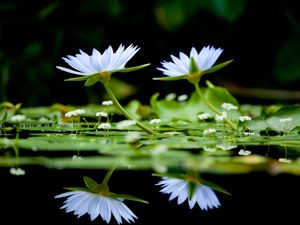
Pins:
x,y
90,183
287,67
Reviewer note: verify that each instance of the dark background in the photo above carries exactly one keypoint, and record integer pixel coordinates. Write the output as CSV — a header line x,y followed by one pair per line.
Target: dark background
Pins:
x,y
261,36
257,198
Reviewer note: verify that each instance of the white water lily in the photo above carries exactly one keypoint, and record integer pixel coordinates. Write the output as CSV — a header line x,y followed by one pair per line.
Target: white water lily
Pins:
x,y
82,202
205,59
109,61
178,188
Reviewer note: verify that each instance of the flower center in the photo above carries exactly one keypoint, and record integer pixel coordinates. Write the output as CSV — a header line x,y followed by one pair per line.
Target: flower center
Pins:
x,y
192,179
194,77
103,76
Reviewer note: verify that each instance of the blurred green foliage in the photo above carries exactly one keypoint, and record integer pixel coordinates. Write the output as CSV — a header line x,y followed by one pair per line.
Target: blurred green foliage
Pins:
x,y
262,37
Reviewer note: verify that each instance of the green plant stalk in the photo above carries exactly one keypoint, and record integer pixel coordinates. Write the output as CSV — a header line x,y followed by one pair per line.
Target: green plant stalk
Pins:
x,y
212,107
107,176
125,113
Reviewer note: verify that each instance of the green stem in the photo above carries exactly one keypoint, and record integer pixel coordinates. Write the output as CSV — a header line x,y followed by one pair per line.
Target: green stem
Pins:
x,y
125,113
15,146
107,176
212,107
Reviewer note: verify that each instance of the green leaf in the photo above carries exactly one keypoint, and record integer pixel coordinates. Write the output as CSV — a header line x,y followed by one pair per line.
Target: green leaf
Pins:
x,y
217,96
170,175
130,69
128,197
92,80
217,67
193,67
285,119
90,183
191,189
214,186
81,78
256,125
173,110
77,189
181,77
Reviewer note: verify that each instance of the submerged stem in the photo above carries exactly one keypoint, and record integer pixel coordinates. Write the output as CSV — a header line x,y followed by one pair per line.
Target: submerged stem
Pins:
x,y
212,107
125,113
107,176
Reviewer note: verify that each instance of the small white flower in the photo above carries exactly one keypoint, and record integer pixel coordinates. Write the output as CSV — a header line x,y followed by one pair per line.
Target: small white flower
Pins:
x,y
178,188
229,106
44,120
82,202
204,116
170,96
125,124
108,102
181,66
76,157
209,149
284,160
104,126
18,118
220,118
182,98
245,118
155,121
244,152
102,114
109,61
75,113
17,171
249,133
209,131
132,137
284,120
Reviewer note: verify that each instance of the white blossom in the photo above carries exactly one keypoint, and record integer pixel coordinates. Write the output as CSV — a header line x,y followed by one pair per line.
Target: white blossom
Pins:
x,y
18,118
155,121
209,131
104,126
75,113
245,118
244,152
220,118
109,61
181,66
178,188
170,96
204,116
95,205
284,160
229,106
182,98
102,114
17,171
107,102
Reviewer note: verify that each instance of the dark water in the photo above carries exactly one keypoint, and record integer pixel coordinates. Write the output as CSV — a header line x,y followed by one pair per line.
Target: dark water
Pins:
x,y
256,198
